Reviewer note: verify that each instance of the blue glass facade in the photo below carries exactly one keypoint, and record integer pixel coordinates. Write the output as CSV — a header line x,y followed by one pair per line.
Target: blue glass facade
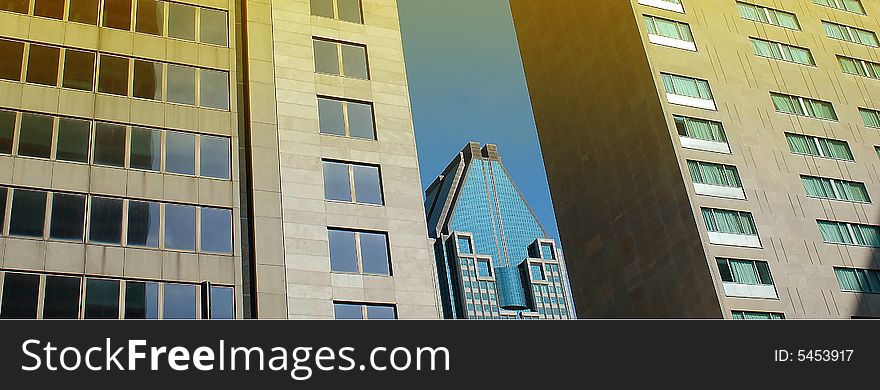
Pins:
x,y
488,242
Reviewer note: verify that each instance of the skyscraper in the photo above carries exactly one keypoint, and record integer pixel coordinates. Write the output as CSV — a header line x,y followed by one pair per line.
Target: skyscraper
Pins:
x,y
494,258
711,158
208,159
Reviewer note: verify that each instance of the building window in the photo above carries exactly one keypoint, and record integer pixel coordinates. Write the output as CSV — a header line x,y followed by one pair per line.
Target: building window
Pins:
x,y
859,67
850,34
341,59
105,222
143,224
745,271
12,59
766,15
345,10
43,63
182,21
360,311
346,118
214,89
68,217
20,296
537,272
180,227
79,70
484,268
35,137
701,134
825,188
849,233
819,147
148,80
102,299
854,6
547,251
18,6
669,33
214,155
870,117
783,52
213,27
216,230
28,213
714,174
729,221
349,182
112,75
146,149
801,106
669,5
180,153
181,84
756,315
180,302
359,252
464,245
858,280
222,303
141,300
688,91
74,137
61,297
83,11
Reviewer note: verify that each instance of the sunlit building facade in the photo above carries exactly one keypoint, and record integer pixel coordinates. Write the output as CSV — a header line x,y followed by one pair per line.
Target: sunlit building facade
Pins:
x,y
712,159
208,159
494,259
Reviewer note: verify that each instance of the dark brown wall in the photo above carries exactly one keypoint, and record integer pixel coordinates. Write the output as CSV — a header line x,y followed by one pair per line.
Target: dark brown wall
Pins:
x,y
631,241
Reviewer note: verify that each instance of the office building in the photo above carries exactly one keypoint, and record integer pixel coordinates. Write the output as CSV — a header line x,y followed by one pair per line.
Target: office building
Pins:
x,y
494,259
208,159
711,158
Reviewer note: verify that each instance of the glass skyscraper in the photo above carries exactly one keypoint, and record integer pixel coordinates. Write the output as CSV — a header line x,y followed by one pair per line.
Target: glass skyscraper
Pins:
x,y
494,259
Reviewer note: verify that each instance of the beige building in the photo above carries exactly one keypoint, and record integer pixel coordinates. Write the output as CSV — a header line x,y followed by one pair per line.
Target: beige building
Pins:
x,y
208,159
711,158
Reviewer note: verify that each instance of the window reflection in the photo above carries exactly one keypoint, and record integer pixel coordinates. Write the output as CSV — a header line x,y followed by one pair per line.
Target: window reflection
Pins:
x,y
179,301
367,184
181,21
150,17
113,75
374,253
49,8
146,149
222,303
117,14
216,230
79,70
213,27
180,227
28,213
35,136
83,11
181,84
11,60
214,155
343,251
141,300
147,80
61,297
109,144
330,116
143,224
20,294
337,184
73,140
180,153
43,65
67,220
214,89
105,222
348,311
7,130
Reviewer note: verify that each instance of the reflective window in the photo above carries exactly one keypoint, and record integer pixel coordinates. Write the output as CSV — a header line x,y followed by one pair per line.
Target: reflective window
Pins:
x,y
350,10
331,117
348,311
547,252
214,156
180,227
49,8
222,303
216,226
181,84
146,149
484,269
83,11
326,57
79,70
20,6
337,183
43,64
360,120
143,224
180,153
323,8
11,61
61,297
537,272
117,14
105,222
141,300
35,135
109,144
147,80
181,21
150,17
73,140
20,294
343,251
214,89
28,213
354,61
113,75
367,184
7,130
68,217
464,246
213,27
381,312
179,301
374,253
102,299
3,191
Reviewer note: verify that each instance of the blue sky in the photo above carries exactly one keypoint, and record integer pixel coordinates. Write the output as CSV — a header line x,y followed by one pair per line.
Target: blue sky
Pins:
x,y
466,84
